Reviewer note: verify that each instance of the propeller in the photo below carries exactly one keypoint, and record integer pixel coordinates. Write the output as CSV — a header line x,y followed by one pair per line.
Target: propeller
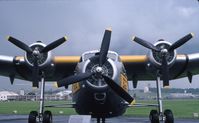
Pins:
x,y
36,53
20,44
100,58
164,52
104,47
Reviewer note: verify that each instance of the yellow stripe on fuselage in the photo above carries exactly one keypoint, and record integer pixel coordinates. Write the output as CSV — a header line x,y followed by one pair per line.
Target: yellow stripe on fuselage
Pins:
x,y
66,59
138,58
124,82
75,87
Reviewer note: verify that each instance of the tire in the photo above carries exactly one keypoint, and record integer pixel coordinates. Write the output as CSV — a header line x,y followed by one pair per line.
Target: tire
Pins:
x,y
154,116
47,117
32,117
168,116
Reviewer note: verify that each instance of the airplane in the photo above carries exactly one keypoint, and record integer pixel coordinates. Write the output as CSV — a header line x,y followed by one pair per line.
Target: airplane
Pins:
x,y
99,78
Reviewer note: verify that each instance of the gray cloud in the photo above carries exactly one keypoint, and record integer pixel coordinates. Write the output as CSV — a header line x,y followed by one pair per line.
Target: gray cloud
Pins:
x,y
84,23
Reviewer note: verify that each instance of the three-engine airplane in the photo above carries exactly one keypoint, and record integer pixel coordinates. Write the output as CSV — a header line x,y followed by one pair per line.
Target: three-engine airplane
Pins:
x,y
100,78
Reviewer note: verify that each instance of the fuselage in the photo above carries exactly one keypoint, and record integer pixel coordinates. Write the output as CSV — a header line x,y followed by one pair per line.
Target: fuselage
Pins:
x,y
93,96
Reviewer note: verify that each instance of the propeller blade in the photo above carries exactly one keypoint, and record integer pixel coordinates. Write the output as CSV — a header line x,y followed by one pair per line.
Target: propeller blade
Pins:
x,y
73,79
94,59
104,46
54,44
20,44
165,71
119,90
181,41
35,73
145,43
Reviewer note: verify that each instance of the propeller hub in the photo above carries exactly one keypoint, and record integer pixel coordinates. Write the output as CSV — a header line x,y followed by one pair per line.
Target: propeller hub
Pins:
x,y
36,52
164,51
99,69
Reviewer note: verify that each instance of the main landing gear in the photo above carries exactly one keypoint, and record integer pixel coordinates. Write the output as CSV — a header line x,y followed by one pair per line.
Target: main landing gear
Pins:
x,y
156,116
42,116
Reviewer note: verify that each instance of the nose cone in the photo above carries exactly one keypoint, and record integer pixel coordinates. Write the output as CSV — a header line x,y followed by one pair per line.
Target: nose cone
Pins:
x,y
99,69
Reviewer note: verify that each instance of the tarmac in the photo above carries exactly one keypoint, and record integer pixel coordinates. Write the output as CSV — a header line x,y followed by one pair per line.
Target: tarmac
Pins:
x,y
64,119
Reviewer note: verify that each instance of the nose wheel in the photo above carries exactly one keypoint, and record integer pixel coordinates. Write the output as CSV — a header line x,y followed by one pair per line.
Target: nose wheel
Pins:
x,y
42,117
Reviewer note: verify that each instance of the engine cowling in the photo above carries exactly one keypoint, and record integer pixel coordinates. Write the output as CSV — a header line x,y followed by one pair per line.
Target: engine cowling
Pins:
x,y
108,69
156,58
43,59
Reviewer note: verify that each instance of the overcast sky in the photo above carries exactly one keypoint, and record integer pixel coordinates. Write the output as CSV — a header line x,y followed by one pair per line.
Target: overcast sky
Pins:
x,y
84,22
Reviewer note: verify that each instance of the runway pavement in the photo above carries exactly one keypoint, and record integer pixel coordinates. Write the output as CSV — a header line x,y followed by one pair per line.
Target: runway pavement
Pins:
x,y
64,119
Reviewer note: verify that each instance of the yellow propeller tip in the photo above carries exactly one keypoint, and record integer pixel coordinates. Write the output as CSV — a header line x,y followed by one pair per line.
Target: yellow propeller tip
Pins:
x,y
192,34
133,38
7,38
133,102
109,29
66,38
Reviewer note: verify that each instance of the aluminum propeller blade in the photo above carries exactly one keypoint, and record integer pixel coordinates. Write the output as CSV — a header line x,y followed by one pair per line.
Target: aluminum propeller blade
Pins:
x,y
118,89
145,43
73,79
181,41
105,47
20,44
54,44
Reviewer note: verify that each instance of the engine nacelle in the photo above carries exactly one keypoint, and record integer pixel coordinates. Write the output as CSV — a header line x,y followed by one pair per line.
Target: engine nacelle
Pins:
x,y
155,57
44,59
110,68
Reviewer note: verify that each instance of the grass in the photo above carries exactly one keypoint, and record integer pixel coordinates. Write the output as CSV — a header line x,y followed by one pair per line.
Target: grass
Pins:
x,y
180,108
24,107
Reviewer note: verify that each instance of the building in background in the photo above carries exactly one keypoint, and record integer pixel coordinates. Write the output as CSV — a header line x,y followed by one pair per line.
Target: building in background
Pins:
x,y
4,95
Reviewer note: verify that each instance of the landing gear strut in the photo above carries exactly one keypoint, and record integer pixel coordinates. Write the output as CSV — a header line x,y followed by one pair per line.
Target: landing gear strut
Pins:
x,y
44,117
157,116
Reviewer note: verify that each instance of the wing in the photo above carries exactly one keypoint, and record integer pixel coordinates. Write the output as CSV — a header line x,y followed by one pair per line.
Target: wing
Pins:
x,y
16,67
137,67
64,66
7,66
140,68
